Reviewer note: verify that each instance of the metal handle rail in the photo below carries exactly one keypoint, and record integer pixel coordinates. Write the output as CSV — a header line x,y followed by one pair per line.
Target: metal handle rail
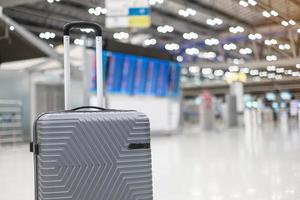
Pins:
x,y
67,75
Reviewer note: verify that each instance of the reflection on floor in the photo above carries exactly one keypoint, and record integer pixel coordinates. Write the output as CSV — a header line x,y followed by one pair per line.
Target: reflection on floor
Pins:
x,y
225,164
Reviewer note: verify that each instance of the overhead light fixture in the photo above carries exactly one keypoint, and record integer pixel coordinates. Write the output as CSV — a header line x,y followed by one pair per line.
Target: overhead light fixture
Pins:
x,y
154,2
270,42
255,36
243,3
274,13
194,69
298,66
245,70
218,72
284,23
271,75
121,36
229,46
192,51
233,68
172,46
179,58
280,70
245,51
263,74
278,76
149,42
237,29
187,12
211,41
215,21
292,22
47,35
266,14
97,11
12,28
206,71
165,29
295,74
79,42
87,30
284,46
50,1
252,2
271,68
298,30
271,58
254,72
207,55
190,36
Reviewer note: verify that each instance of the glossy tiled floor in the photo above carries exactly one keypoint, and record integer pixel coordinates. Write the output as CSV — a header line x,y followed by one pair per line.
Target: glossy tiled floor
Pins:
x,y
225,164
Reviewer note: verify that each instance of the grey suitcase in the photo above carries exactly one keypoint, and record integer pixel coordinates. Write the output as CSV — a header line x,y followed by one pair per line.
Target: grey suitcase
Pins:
x,y
91,154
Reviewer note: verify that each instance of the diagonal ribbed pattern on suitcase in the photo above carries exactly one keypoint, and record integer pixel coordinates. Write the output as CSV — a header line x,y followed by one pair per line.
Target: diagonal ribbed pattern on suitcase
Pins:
x,y
93,156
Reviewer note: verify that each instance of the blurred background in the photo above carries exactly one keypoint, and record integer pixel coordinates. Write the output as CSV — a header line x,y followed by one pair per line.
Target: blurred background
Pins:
x,y
219,80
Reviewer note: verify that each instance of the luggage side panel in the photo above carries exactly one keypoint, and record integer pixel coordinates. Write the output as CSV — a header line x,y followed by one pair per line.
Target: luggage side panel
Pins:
x,y
87,156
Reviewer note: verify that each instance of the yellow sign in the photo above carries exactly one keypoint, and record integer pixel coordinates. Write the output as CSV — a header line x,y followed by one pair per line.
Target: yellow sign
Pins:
x,y
139,21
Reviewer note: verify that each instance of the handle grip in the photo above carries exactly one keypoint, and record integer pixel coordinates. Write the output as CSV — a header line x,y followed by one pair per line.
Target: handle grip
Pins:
x,y
81,24
67,79
88,107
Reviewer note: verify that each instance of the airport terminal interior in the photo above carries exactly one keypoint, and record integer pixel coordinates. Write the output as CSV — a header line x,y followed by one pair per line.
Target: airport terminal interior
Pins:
x,y
217,80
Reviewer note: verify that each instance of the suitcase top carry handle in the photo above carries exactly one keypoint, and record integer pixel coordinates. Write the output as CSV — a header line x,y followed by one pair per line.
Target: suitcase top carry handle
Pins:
x,y
67,79
80,24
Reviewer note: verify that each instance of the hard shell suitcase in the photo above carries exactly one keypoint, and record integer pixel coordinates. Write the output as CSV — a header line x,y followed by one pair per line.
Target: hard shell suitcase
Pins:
x,y
91,154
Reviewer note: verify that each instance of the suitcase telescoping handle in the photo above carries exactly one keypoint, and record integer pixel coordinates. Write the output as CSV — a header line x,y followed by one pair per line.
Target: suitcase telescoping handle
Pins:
x,y
67,80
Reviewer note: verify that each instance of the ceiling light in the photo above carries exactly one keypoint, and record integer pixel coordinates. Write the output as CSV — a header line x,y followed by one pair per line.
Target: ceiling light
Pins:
x,y
245,70
87,30
79,42
218,72
237,29
245,51
295,74
274,13
179,58
271,68
252,2
271,58
190,36
153,2
255,36
263,74
206,71
254,72
280,70
172,46
192,51
12,28
278,76
50,1
207,55
211,41
187,12
270,42
284,23
292,22
284,46
298,30
266,14
214,21
229,46
165,29
243,3
194,69
121,35
271,75
149,42
233,68
97,11
47,35
298,66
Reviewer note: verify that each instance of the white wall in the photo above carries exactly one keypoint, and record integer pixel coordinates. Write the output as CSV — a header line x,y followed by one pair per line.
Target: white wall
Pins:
x,y
164,113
